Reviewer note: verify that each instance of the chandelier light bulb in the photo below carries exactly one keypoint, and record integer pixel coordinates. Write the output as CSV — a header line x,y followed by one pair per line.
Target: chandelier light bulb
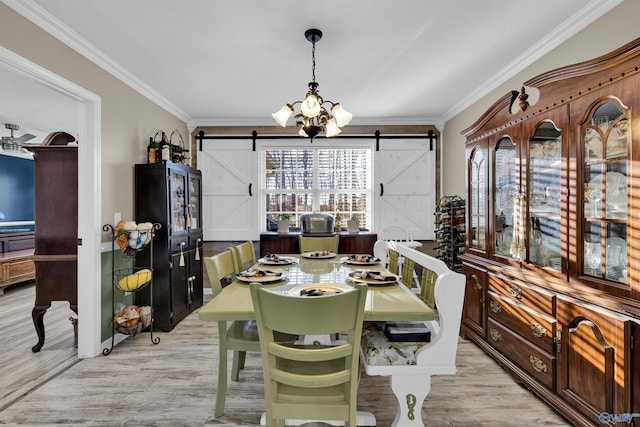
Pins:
x,y
342,116
283,115
310,106
332,129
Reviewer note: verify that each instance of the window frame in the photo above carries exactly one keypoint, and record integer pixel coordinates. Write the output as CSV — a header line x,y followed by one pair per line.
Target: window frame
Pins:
x,y
316,146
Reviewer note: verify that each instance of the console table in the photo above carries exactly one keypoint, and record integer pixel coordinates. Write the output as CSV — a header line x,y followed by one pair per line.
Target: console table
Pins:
x,y
350,243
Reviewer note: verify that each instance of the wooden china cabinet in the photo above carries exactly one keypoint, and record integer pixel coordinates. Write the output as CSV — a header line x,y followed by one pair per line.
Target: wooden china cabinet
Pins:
x,y
553,236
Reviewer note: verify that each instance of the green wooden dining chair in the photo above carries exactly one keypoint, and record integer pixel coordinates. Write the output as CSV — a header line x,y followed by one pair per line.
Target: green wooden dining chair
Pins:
x,y
312,244
313,382
240,337
244,255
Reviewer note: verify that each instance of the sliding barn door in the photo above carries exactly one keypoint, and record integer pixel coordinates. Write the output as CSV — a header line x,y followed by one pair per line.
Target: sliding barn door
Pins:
x,y
405,184
229,190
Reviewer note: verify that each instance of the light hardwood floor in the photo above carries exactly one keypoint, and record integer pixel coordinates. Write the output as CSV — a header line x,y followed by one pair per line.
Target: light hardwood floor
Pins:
x,y
173,383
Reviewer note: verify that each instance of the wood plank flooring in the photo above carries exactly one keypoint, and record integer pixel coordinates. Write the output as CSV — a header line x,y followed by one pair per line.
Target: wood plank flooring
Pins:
x,y
173,383
20,369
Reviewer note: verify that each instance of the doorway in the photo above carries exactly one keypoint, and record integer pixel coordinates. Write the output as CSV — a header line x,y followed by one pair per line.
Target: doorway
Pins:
x,y
24,101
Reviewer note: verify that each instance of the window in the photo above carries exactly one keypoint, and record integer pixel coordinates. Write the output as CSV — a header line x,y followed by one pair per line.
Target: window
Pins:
x,y
317,179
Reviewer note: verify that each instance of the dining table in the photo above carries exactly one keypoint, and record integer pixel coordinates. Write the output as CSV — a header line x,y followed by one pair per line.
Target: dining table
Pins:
x,y
386,300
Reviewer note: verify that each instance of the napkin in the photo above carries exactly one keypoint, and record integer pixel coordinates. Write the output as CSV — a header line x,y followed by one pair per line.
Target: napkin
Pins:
x,y
312,292
275,258
320,253
259,272
373,275
363,258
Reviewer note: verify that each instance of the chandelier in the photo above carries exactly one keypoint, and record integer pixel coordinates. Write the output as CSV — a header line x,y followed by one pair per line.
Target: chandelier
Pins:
x,y
313,117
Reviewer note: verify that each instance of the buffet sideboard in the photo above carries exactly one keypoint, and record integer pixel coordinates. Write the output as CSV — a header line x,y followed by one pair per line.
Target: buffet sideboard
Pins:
x,y
287,243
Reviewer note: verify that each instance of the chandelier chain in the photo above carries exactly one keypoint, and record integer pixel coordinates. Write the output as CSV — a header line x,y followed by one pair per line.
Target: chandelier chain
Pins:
x,y
313,61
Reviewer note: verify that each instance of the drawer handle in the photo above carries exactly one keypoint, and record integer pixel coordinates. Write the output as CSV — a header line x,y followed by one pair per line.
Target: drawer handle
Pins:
x,y
538,330
538,364
495,307
495,335
515,291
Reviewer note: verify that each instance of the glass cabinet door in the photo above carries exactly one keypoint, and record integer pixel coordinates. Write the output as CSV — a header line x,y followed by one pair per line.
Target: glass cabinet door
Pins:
x,y
177,198
477,199
506,195
194,202
543,195
604,205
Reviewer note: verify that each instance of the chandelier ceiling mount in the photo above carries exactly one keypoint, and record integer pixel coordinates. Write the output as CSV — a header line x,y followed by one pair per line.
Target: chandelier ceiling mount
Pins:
x,y
314,117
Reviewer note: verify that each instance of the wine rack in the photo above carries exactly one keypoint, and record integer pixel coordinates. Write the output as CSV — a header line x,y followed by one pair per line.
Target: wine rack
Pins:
x,y
450,231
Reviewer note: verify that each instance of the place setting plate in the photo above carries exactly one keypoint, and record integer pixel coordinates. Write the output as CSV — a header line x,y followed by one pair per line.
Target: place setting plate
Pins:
x,y
262,276
369,277
277,260
318,255
360,260
319,289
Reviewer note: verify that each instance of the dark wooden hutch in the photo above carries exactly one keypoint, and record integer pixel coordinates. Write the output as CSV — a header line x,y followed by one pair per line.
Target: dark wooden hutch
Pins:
x,y
553,236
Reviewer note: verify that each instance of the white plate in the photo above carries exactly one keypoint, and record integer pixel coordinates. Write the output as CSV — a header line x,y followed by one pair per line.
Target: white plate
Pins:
x,y
330,288
371,281
348,260
284,261
262,279
311,255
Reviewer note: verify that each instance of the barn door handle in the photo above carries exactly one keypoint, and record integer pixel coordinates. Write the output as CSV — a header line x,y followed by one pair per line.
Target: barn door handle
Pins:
x,y
250,190
381,189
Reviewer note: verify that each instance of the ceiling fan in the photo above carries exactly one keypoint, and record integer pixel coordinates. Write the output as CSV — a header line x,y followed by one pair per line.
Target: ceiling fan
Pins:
x,y
13,143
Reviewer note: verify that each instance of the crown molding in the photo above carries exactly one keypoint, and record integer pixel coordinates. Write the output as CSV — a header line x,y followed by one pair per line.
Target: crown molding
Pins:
x,y
580,20
47,22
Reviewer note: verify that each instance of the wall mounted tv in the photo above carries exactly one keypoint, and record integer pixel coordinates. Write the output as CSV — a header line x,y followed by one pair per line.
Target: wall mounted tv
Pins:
x,y
16,194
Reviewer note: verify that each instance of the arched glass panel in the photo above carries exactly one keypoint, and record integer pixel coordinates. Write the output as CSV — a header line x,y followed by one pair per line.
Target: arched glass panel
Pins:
x,y
604,205
478,187
506,192
544,193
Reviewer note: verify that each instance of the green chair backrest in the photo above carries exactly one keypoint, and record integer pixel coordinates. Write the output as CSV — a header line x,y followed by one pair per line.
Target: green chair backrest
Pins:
x,y
218,267
428,286
393,261
310,382
312,244
244,255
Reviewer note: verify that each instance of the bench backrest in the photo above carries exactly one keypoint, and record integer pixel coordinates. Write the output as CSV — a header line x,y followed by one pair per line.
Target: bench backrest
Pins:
x,y
448,296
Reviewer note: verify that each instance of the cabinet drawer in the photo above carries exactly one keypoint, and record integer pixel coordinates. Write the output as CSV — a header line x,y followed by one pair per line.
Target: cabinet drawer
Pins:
x,y
15,271
536,362
178,243
537,300
535,327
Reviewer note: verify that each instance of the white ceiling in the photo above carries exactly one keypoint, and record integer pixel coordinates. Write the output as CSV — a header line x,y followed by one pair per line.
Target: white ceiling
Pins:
x,y
234,62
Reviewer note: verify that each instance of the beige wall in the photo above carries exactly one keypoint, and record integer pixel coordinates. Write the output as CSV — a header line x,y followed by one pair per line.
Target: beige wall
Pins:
x,y
128,118
610,32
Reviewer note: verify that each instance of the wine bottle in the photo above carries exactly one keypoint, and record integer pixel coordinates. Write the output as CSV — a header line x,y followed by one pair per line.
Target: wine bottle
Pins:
x,y
165,149
152,151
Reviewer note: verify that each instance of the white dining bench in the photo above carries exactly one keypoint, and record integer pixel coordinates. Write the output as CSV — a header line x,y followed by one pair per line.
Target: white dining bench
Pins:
x,y
411,365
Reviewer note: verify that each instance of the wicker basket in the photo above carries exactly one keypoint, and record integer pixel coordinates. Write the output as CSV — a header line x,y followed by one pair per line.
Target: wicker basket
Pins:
x,y
131,279
132,319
